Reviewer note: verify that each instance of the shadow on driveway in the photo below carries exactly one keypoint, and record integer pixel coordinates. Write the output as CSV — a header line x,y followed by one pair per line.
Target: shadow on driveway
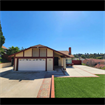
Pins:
x,y
19,75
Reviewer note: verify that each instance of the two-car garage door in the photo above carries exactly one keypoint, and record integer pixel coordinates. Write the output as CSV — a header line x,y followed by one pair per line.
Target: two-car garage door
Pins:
x,y
31,65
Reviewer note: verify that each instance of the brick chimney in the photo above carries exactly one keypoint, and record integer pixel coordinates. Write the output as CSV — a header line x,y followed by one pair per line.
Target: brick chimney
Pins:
x,y
69,50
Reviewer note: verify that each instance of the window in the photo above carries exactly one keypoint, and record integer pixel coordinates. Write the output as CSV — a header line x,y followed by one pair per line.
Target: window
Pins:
x,y
68,61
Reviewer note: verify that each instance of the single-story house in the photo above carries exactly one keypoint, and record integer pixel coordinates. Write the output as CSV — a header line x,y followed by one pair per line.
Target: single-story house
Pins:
x,y
40,58
5,49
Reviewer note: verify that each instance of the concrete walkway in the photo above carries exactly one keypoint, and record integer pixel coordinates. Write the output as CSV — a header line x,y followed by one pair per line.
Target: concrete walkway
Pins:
x,y
82,71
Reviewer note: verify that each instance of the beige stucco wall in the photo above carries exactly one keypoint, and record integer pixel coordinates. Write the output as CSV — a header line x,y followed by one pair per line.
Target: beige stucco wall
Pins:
x,y
19,54
42,52
64,63
49,64
35,52
61,61
49,53
28,53
5,64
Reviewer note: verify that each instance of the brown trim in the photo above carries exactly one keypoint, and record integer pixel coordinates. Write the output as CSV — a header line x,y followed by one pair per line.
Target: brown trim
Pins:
x,y
19,51
46,52
41,47
46,64
17,65
39,52
14,62
58,52
33,57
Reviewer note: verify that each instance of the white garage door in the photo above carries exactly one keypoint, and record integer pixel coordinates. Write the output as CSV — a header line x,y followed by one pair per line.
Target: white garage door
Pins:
x,y
31,65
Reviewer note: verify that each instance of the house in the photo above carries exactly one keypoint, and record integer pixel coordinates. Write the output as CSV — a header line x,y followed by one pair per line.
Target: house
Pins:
x,y
39,58
68,60
5,49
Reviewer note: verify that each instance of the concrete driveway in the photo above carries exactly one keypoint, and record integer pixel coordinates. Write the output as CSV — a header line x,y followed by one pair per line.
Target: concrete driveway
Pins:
x,y
19,84
83,71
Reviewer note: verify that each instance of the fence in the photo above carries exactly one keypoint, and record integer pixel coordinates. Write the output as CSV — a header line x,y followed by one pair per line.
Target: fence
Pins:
x,y
76,62
5,56
5,64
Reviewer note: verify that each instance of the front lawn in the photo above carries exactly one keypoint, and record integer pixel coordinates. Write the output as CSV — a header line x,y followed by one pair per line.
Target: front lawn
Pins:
x,y
81,87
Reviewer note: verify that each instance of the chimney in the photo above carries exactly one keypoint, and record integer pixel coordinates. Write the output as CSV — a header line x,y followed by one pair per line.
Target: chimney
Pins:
x,y
69,50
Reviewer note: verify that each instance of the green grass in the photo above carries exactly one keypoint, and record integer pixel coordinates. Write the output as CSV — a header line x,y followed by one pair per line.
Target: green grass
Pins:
x,y
83,64
81,87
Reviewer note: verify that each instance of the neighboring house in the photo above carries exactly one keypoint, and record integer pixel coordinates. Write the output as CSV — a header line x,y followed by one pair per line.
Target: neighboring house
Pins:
x,y
98,61
5,49
95,62
39,58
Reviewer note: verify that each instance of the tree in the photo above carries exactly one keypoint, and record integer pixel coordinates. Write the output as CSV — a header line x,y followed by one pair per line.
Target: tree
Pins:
x,y
22,48
83,56
2,38
13,50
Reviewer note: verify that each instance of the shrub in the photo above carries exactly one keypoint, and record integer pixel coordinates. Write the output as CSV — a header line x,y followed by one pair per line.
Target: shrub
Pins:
x,y
0,57
103,68
83,64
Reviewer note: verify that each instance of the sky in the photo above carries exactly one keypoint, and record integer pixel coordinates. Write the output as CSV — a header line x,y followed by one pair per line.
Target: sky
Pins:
x,y
83,31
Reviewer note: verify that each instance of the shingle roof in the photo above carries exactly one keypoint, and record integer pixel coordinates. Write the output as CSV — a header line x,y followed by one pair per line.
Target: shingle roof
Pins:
x,y
39,45
4,47
67,53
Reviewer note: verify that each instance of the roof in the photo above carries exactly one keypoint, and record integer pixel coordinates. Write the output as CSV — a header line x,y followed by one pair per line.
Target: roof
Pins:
x,y
4,47
96,60
41,46
67,53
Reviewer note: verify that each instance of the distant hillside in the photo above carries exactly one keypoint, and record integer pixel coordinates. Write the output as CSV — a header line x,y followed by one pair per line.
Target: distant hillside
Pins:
x,y
87,55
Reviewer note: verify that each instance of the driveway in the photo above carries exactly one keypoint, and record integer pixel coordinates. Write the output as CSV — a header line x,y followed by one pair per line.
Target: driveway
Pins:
x,y
83,71
19,84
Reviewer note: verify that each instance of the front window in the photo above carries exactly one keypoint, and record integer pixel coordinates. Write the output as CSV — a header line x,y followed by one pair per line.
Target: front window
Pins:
x,y
68,61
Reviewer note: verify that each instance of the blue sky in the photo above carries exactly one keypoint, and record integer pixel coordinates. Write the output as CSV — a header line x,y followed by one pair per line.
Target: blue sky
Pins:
x,y
83,31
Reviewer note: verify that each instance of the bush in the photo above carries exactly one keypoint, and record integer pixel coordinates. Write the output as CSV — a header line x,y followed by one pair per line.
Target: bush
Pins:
x,y
103,68
99,58
0,57
83,64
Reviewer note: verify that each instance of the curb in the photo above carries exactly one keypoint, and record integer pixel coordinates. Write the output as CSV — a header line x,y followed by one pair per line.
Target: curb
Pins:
x,y
52,87
43,89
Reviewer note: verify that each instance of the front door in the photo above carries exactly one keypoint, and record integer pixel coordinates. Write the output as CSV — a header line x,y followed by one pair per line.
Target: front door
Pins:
x,y
55,61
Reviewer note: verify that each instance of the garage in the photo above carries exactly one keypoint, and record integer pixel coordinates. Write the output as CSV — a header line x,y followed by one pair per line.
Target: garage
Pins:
x,y
31,64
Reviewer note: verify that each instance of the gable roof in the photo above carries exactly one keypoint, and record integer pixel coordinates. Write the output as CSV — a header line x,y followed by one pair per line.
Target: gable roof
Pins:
x,y
4,47
41,46
67,53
